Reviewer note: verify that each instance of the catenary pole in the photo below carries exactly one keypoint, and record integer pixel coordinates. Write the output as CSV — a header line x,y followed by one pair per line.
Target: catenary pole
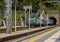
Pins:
x,y
15,16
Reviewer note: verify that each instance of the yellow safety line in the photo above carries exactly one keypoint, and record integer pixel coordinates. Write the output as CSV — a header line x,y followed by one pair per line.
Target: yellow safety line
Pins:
x,y
34,39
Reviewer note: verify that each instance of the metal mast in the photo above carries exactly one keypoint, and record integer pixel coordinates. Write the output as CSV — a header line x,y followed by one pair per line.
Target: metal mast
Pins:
x,y
15,15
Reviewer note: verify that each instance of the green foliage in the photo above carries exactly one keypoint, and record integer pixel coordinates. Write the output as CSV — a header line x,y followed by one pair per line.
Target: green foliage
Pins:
x,y
2,4
21,3
37,4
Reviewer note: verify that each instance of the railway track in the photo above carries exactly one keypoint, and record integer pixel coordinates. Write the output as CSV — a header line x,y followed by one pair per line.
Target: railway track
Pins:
x,y
31,34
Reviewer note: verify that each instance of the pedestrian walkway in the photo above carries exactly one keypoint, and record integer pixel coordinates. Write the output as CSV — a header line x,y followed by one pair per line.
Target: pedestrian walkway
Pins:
x,y
54,38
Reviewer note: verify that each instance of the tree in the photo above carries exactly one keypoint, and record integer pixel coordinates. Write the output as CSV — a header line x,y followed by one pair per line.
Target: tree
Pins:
x,y
21,3
2,4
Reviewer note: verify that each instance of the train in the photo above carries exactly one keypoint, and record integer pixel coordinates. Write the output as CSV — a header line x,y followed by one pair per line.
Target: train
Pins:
x,y
43,22
36,20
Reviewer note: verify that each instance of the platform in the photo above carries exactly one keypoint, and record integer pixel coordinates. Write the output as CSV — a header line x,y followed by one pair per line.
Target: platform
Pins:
x,y
54,38
5,36
50,36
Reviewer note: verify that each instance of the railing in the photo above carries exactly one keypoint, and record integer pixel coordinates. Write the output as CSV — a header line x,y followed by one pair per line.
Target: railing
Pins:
x,y
4,25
